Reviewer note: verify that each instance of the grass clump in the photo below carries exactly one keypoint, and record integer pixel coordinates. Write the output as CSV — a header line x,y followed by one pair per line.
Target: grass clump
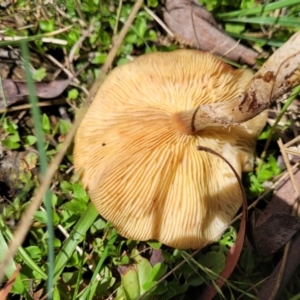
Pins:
x,y
70,252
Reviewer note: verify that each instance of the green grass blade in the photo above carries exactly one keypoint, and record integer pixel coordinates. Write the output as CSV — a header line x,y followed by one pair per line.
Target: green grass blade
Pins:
x,y
76,236
23,254
264,20
287,104
35,111
89,292
79,275
18,285
265,41
259,9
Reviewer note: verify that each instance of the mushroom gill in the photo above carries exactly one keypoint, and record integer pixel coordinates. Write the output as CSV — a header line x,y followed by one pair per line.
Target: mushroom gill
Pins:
x,y
137,148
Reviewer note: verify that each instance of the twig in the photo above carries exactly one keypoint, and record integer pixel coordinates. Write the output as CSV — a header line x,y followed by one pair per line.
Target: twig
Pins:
x,y
27,106
232,48
117,18
159,21
78,44
27,217
68,72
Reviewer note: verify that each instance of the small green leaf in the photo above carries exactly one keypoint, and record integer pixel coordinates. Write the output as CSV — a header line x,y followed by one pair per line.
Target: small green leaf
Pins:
x,y
154,244
123,260
30,140
151,35
54,199
234,28
195,280
130,284
73,94
9,126
98,225
100,58
10,143
39,74
41,216
105,39
57,243
175,289
46,124
247,261
74,206
64,126
144,269
47,25
15,137
66,187
131,38
72,37
158,271
152,3
34,252
215,261
265,134
245,4
79,193
55,218
141,26
74,260
122,61
56,294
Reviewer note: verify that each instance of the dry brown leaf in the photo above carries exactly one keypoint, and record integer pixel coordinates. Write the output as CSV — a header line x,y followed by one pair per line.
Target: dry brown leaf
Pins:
x,y
14,91
277,229
15,167
195,26
156,257
275,225
291,265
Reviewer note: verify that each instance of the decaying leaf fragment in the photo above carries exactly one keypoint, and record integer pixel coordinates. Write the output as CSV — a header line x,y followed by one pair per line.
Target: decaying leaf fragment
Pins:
x,y
14,91
274,226
276,77
274,233
195,26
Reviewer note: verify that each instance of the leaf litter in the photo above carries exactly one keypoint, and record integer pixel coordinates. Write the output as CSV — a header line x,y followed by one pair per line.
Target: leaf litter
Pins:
x,y
214,25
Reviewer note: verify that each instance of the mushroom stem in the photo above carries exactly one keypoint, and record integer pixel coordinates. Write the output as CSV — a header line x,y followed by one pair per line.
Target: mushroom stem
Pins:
x,y
195,120
276,77
211,115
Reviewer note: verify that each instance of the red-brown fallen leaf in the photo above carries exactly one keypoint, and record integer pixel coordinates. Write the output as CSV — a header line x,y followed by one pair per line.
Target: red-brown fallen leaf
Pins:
x,y
156,257
195,26
281,203
277,229
14,91
275,225
124,269
291,265
9,284
37,295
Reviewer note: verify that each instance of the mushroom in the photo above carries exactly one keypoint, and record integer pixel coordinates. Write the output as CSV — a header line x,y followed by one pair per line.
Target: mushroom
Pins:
x,y
136,148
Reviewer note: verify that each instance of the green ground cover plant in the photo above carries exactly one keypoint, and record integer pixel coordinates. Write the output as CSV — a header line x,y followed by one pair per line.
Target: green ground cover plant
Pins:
x,y
70,252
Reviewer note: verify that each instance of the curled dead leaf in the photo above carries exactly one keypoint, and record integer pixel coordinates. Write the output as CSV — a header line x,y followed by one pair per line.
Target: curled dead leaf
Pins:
x,y
14,91
195,26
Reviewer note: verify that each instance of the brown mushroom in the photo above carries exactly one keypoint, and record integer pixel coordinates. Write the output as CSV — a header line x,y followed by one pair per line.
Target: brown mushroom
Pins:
x,y
137,148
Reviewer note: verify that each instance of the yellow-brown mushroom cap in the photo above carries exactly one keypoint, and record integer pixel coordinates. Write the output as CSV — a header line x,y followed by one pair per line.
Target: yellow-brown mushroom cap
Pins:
x,y
139,160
